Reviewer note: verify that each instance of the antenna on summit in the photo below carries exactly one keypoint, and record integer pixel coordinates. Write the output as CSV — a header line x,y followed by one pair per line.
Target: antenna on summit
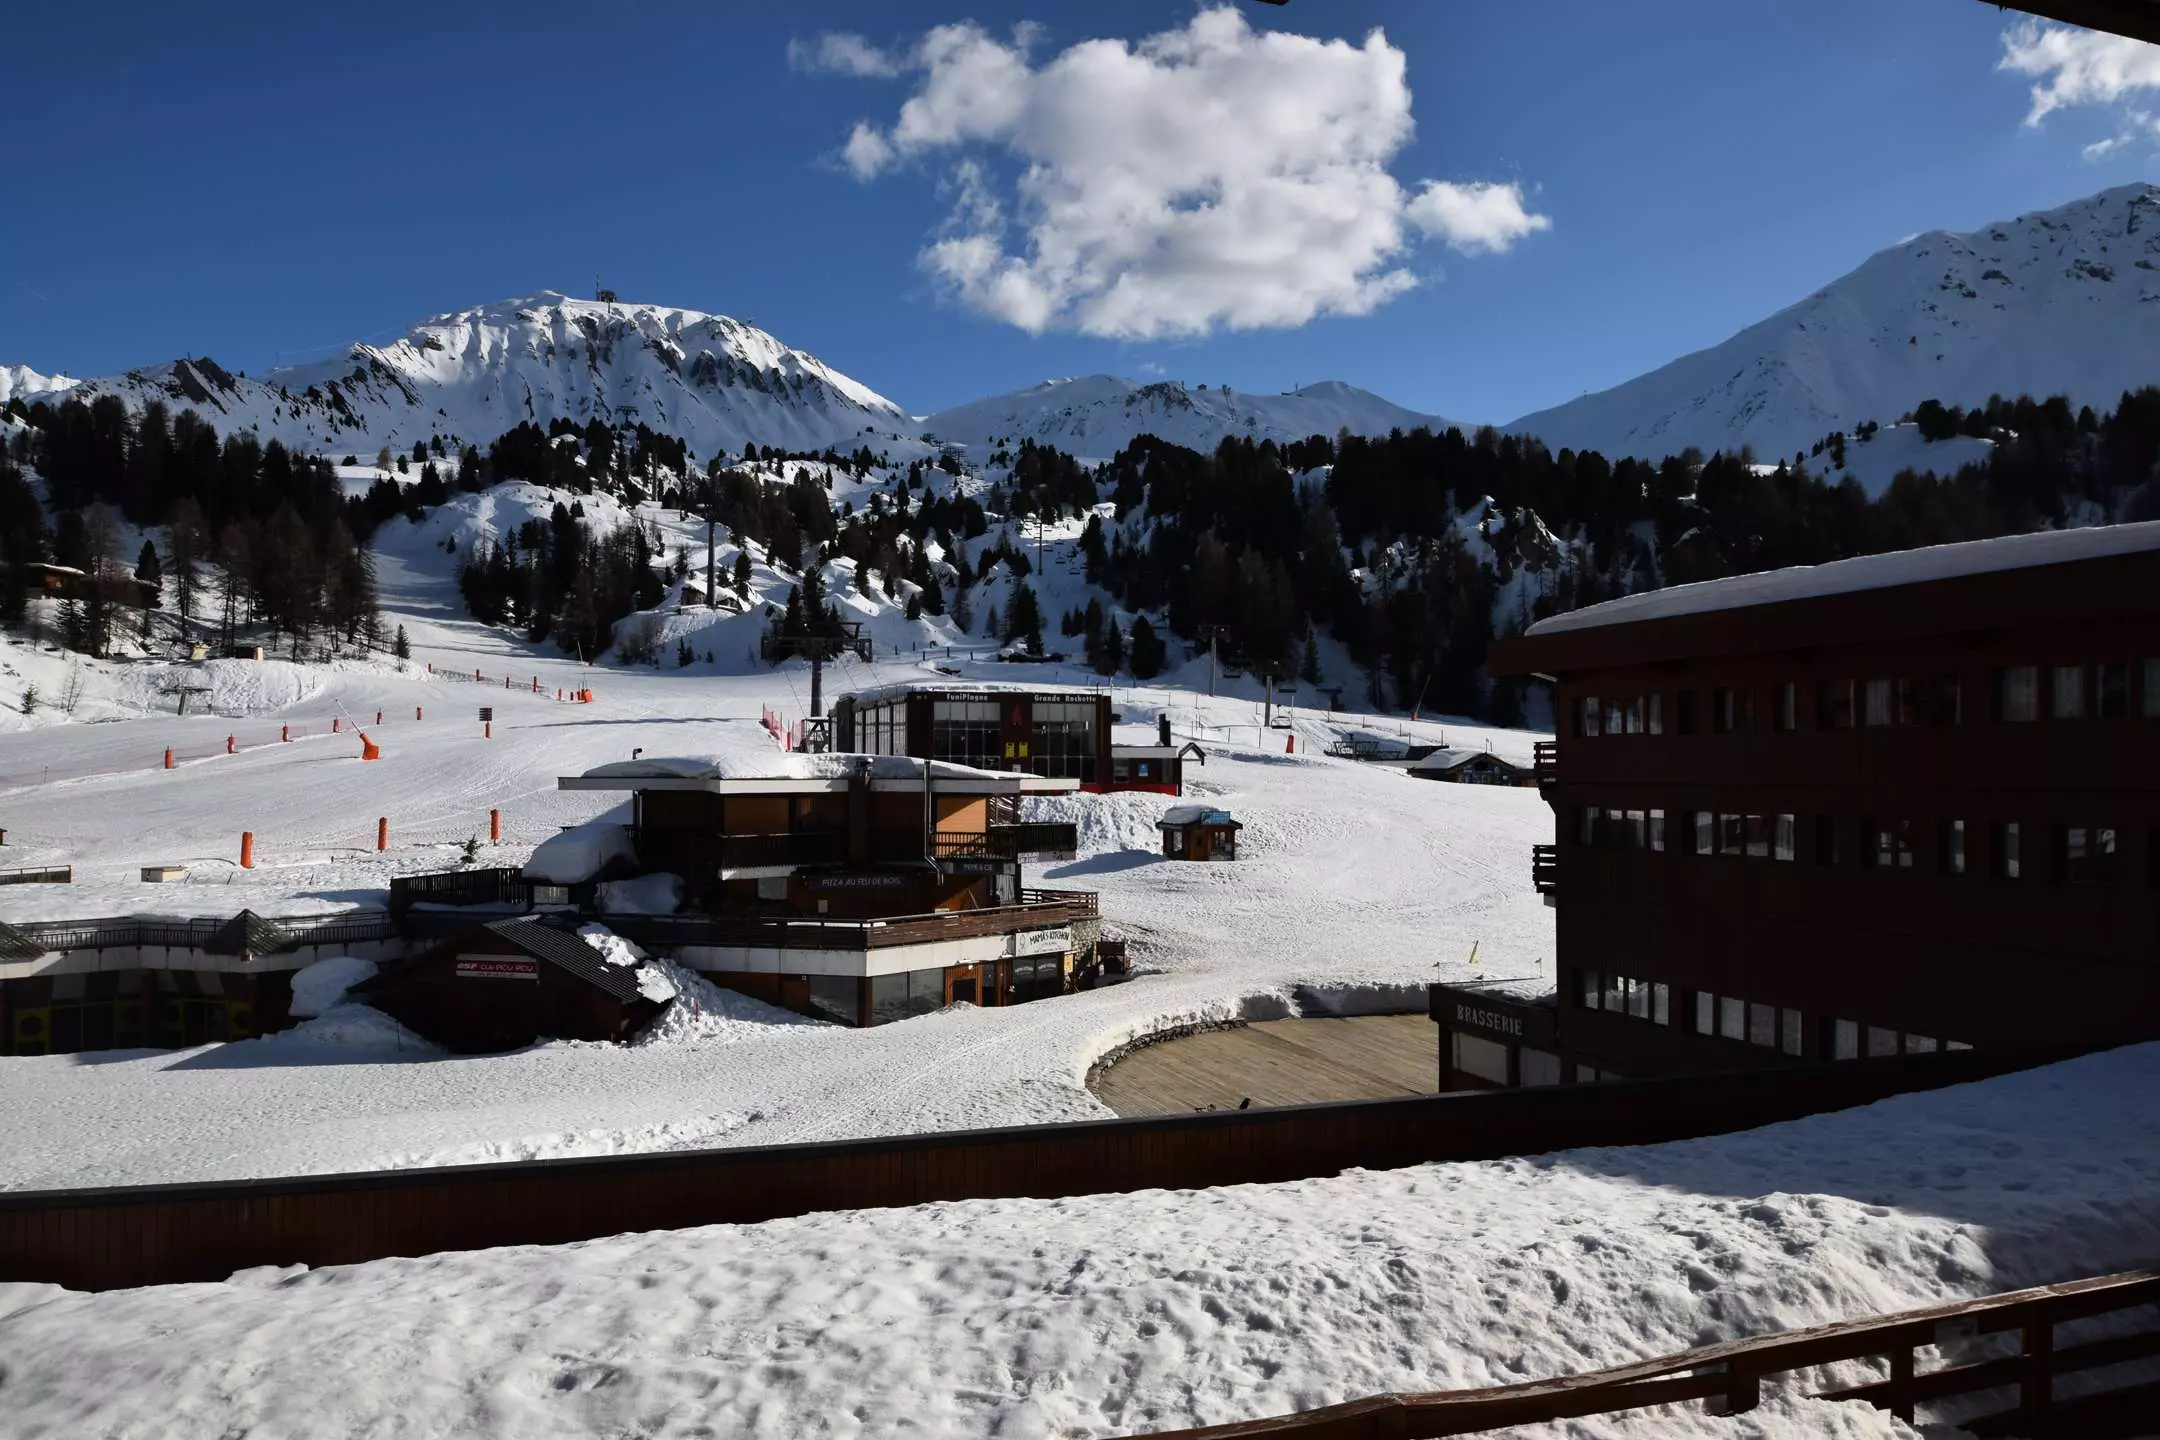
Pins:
x,y
601,293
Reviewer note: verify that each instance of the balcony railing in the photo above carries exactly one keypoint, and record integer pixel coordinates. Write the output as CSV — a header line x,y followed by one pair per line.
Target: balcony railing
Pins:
x,y
1545,760
1039,909
1044,837
816,847
1545,869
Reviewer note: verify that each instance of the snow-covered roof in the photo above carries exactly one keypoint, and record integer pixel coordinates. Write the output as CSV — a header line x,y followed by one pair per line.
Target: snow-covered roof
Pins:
x,y
1181,815
1865,572
983,688
773,770
1447,759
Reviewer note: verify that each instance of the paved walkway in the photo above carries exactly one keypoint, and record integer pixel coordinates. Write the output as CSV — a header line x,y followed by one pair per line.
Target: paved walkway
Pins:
x,y
1276,1062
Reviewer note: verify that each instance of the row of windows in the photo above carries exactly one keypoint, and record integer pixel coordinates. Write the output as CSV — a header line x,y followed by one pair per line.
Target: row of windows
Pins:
x,y
1702,832
2076,854
1729,1017
2112,691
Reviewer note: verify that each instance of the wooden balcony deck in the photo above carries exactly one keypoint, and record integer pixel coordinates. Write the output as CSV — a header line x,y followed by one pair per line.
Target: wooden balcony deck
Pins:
x,y
1276,1062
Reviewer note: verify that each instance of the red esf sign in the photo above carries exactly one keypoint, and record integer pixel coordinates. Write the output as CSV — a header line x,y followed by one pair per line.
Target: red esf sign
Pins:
x,y
492,967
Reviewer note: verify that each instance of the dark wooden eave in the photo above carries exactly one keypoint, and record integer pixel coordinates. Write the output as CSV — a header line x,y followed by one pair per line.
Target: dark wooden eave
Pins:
x,y
2136,19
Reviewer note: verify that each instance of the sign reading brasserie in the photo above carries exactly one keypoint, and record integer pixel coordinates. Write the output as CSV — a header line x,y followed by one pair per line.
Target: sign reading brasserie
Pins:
x,y
496,967
1503,1019
1482,1019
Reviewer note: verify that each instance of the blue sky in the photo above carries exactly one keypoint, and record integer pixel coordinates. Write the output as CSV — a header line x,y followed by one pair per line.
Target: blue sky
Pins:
x,y
259,183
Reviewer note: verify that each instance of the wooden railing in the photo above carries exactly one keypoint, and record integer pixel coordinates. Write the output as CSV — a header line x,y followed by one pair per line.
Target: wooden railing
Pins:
x,y
49,875
1545,761
1039,909
1034,837
483,885
1732,1373
344,928
1545,869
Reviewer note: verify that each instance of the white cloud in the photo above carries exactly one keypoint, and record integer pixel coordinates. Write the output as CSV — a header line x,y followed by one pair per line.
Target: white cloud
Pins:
x,y
841,53
2077,67
2138,126
1204,177
1482,217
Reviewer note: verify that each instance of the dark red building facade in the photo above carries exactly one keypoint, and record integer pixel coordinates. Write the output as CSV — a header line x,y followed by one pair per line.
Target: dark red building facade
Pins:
x,y
1892,805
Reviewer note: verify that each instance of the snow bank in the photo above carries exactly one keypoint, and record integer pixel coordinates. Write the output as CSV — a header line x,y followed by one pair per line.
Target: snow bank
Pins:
x,y
583,852
350,1026
656,894
319,987
702,1013
762,762
1116,1314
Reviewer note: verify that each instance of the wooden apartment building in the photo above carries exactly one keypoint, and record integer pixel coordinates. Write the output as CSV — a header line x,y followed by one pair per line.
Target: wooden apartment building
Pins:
x,y
1891,804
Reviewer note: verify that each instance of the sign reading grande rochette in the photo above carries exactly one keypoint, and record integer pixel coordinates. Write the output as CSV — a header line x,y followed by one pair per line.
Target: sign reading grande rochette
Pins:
x,y
496,967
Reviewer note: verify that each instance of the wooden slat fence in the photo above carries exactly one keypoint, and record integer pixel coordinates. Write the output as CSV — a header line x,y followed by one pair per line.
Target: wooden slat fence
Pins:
x,y
1731,1374
112,1238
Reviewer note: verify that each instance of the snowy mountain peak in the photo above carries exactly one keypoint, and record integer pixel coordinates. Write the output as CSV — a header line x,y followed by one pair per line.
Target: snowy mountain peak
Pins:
x,y
2061,301
20,382
1095,416
714,381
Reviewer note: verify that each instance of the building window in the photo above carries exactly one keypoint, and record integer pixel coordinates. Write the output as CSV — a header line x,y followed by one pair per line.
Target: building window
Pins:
x,y
1951,847
1638,999
1844,1040
1616,994
1586,989
1908,702
1705,828
2066,692
1875,703
1732,838
1661,1003
2114,692
1587,723
1586,825
2017,693
2149,689
1881,1041
2085,855
1833,704
1657,713
1758,837
888,998
1586,1075
2005,846
1919,1045
1657,830
1686,702
1539,1067
835,997
1790,1025
1782,840
1890,847
1705,1013
1734,712
1632,837
1762,1025
1615,717
1826,840
1476,1056
1946,701
1635,715
1788,706
1732,1018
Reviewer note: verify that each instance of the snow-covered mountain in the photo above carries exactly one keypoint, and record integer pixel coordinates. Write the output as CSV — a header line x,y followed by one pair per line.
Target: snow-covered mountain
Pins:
x,y
20,382
714,382
2063,301
1096,416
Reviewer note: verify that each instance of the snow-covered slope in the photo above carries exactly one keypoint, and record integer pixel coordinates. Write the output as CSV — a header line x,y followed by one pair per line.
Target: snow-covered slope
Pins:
x,y
2063,301
1096,416
714,382
21,382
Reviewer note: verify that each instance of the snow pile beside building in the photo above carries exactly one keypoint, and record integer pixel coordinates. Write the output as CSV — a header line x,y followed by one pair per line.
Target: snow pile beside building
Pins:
x,y
583,852
702,1013
1104,824
1114,1314
348,1026
318,987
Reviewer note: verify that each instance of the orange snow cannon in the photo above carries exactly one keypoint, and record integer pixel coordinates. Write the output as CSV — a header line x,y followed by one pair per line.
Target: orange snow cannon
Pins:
x,y
369,750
